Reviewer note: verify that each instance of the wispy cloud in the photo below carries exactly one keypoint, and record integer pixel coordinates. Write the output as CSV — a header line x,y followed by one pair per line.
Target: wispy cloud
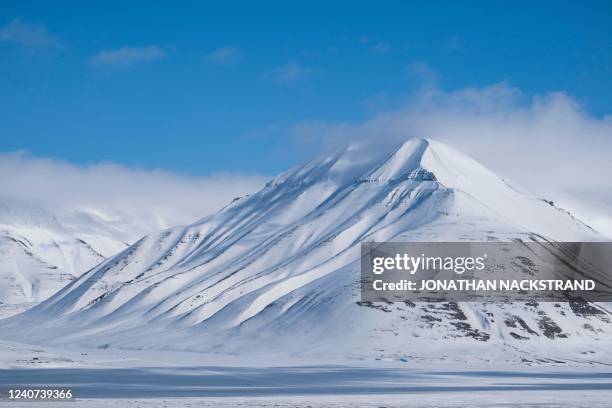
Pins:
x,y
29,35
380,48
375,47
424,72
455,43
148,199
128,55
291,72
226,55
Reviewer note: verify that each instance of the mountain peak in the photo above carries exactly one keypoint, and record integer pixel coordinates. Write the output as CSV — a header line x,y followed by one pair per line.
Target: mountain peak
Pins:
x,y
360,161
429,160
407,161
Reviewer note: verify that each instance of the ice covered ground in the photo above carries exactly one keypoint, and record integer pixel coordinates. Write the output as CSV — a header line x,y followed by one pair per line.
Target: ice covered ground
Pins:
x,y
129,378
535,399
340,386
231,381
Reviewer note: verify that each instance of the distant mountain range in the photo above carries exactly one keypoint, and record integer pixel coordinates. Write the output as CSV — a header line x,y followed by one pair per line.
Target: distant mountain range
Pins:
x,y
278,272
41,252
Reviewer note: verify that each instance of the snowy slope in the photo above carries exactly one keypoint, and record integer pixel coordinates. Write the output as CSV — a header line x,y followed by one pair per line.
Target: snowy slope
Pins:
x,y
277,272
40,252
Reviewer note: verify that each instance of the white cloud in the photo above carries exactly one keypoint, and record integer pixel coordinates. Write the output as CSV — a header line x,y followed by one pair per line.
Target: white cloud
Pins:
x,y
455,43
428,76
128,55
226,55
547,142
380,48
377,47
150,199
291,72
29,35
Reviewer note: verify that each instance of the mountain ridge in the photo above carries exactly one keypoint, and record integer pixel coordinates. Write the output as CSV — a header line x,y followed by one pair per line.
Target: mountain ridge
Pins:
x,y
42,250
280,267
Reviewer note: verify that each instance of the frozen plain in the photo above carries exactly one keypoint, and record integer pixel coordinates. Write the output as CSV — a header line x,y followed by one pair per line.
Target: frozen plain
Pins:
x,y
129,378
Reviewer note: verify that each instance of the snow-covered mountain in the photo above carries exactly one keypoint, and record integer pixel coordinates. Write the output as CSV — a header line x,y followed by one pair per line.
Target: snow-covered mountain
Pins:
x,y
278,271
41,252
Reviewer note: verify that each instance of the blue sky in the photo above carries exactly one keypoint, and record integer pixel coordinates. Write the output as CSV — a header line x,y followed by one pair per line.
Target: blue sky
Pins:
x,y
202,87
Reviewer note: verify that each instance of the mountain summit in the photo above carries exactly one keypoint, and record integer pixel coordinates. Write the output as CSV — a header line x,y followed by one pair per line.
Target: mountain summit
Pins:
x,y
279,270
